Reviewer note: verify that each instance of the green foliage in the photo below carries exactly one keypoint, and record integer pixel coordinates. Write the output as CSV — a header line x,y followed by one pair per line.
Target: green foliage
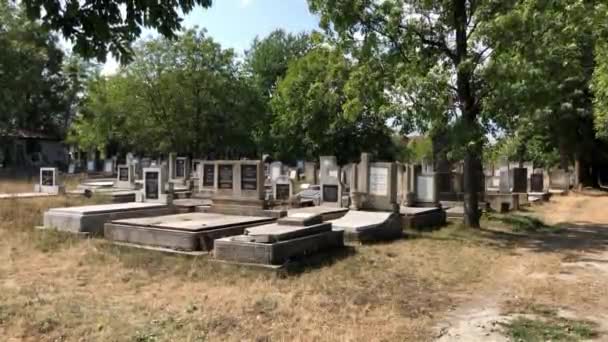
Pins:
x,y
186,95
268,58
600,87
313,114
266,63
96,28
31,78
422,149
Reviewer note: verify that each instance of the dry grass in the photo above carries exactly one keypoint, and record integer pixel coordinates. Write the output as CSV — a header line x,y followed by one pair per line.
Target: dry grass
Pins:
x,y
57,287
26,184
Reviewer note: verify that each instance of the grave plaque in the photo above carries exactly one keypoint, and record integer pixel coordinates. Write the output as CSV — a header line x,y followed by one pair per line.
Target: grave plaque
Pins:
x,y
249,177
330,193
180,168
47,178
537,182
123,174
378,181
152,185
225,176
209,175
282,192
520,180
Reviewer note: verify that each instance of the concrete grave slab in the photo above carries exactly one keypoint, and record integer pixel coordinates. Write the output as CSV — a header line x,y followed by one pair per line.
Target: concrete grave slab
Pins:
x,y
327,213
369,225
91,218
270,233
238,249
185,232
301,219
422,217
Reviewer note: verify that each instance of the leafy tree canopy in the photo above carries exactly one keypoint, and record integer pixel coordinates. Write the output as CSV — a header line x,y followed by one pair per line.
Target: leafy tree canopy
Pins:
x,y
98,27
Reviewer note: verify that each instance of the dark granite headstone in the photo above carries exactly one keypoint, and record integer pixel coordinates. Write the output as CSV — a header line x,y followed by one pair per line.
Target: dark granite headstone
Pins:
x,y
208,175
537,182
123,174
225,176
180,168
249,177
520,180
282,192
47,178
152,185
330,193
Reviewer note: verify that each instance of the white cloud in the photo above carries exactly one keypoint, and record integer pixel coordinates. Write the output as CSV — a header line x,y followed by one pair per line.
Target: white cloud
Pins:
x,y
246,3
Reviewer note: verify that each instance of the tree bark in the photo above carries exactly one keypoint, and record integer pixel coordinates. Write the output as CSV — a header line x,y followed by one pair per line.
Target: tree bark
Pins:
x,y
470,110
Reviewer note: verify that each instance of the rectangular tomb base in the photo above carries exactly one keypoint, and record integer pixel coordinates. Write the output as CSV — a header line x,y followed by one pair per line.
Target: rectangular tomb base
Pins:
x,y
423,218
503,202
534,197
369,226
181,232
235,249
91,219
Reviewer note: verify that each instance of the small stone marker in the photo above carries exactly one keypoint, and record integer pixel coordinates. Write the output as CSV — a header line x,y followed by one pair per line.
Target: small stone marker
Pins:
x,y
282,189
49,181
154,185
126,177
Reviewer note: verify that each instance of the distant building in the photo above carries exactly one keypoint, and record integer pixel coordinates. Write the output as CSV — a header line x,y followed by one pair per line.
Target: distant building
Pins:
x,y
22,148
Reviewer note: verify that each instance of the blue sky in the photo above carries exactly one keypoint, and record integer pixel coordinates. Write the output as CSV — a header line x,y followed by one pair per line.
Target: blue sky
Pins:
x,y
234,23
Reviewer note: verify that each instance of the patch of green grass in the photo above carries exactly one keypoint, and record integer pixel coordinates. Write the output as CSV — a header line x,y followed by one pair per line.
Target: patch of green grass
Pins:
x,y
546,325
557,329
523,223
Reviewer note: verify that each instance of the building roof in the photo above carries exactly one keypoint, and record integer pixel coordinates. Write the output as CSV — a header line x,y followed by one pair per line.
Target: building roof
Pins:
x,y
26,134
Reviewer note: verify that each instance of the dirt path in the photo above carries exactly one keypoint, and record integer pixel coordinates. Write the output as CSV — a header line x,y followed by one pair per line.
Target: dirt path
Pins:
x,y
567,272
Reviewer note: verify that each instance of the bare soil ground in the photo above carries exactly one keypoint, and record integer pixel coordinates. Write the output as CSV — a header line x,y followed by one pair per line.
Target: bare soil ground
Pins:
x,y
452,284
563,268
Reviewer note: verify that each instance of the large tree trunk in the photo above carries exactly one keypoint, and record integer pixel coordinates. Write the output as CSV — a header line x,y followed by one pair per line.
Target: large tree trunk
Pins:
x,y
470,110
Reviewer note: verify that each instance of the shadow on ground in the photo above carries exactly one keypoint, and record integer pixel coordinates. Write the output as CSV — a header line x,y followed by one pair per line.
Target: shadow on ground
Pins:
x,y
511,231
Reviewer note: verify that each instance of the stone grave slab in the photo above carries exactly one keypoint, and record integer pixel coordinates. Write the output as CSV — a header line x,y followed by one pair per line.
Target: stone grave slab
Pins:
x,y
422,217
270,233
326,212
240,250
301,219
369,225
185,232
91,218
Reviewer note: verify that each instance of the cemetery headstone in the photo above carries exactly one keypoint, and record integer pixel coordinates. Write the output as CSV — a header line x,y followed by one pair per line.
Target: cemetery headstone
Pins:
x,y
520,180
331,187
49,181
108,166
125,178
282,189
155,179
537,182
196,164
275,170
504,184
311,172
